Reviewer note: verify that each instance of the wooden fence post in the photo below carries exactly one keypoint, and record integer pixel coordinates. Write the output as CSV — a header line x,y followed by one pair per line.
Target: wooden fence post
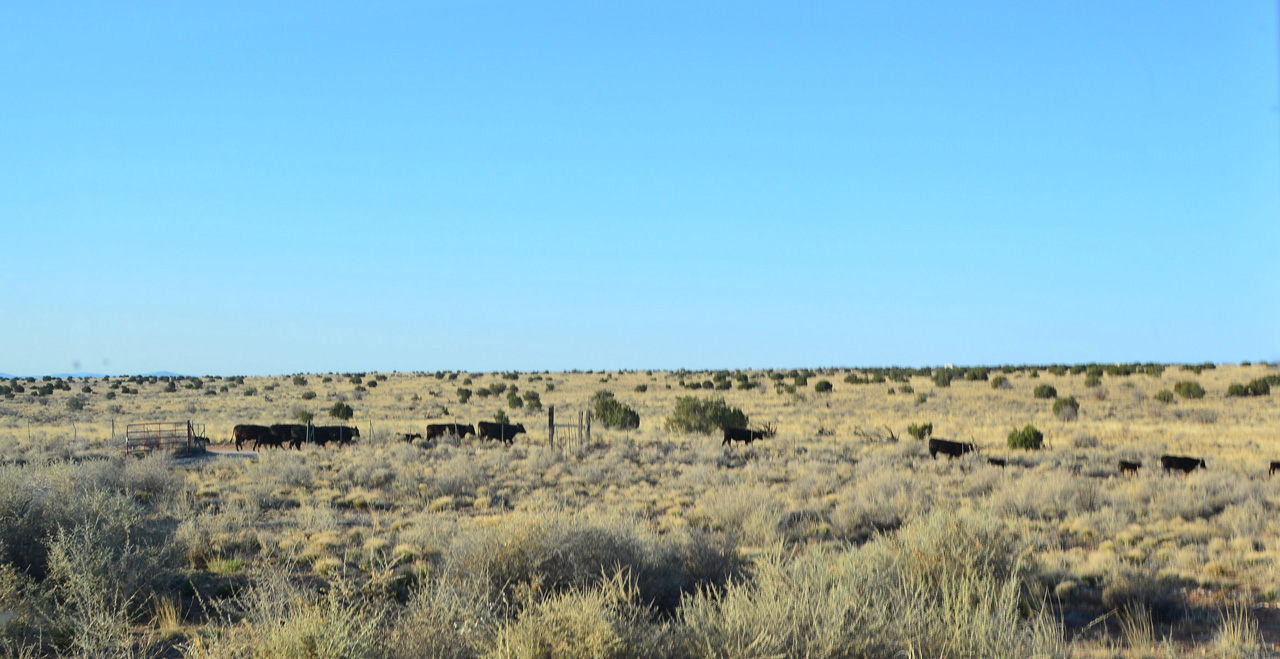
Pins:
x,y
588,428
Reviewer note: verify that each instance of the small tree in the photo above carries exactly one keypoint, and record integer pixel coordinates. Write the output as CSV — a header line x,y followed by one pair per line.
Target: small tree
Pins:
x,y
501,417
341,410
299,381
822,386
1164,396
1028,438
999,382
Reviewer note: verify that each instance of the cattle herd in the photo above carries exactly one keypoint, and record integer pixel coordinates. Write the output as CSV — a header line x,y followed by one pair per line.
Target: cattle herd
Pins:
x,y
503,432
295,435
1169,462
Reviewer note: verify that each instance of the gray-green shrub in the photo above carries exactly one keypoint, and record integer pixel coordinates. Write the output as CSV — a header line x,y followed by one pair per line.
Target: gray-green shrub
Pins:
x,y
698,415
1045,391
920,430
1027,438
1189,389
612,413
341,410
1066,408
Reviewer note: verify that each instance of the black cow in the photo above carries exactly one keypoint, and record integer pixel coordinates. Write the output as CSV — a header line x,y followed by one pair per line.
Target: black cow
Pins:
x,y
435,430
999,462
293,434
500,431
340,434
410,436
1183,464
1274,467
747,435
247,432
948,447
1127,467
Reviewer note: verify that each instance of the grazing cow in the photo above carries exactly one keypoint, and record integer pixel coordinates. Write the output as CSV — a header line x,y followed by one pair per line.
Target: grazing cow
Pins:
x,y
747,435
340,434
246,432
1183,464
293,434
410,436
950,448
459,430
501,431
1274,466
999,462
1127,467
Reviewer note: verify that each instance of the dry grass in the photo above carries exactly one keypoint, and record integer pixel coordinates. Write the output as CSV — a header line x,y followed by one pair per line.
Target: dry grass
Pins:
x,y
828,540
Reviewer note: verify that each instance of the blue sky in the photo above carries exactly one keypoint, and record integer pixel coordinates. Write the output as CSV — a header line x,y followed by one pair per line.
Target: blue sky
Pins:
x,y
229,188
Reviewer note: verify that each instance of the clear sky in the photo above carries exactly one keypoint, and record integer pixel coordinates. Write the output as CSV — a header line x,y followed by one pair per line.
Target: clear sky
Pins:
x,y
252,188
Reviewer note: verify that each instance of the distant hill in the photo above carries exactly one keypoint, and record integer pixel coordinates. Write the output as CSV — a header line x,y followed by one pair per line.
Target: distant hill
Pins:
x,y
81,374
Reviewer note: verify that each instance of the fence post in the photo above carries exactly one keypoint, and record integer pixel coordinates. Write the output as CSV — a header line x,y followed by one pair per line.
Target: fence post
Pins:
x,y
551,426
588,427
580,430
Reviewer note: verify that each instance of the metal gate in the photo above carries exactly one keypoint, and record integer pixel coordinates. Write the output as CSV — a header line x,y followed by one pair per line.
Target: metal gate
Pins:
x,y
175,436
573,436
